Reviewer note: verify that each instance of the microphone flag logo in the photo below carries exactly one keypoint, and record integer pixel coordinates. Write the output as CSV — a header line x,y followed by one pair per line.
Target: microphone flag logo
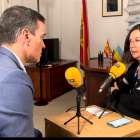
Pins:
x,y
71,80
117,65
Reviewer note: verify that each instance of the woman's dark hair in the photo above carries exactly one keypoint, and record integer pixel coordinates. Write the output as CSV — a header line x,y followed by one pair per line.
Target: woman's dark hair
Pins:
x,y
127,57
14,20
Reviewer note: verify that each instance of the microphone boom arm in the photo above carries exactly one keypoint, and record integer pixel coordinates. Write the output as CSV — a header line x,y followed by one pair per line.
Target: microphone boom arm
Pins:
x,y
105,83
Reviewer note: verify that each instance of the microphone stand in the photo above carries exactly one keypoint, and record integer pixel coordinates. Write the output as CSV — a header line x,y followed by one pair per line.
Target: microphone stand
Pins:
x,y
109,103
78,114
41,102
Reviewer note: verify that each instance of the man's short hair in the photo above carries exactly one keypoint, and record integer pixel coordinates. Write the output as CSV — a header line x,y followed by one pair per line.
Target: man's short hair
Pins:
x,y
14,19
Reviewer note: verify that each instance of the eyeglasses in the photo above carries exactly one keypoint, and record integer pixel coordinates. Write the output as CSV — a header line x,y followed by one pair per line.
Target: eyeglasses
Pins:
x,y
135,43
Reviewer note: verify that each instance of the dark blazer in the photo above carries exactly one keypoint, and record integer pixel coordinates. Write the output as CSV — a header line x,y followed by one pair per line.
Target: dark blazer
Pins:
x,y
16,98
129,101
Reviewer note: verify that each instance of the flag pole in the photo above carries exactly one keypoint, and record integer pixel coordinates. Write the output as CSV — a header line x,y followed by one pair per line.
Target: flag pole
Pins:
x,y
41,102
38,6
84,49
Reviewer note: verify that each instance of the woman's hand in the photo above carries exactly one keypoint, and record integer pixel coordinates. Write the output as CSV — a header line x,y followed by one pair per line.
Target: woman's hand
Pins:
x,y
115,87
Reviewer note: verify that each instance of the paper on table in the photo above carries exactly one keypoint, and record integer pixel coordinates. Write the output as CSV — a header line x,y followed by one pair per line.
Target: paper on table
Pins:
x,y
96,111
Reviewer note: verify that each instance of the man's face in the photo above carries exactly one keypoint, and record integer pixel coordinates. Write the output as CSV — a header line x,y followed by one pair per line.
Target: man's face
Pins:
x,y
36,44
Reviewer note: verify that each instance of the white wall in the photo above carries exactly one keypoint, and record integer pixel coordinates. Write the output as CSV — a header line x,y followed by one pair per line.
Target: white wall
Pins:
x,y
4,4
103,28
63,19
52,11
100,28
0,7
16,2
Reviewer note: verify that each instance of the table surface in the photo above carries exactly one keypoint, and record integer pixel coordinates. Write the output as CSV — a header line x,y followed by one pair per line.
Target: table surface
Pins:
x,y
100,66
99,128
54,65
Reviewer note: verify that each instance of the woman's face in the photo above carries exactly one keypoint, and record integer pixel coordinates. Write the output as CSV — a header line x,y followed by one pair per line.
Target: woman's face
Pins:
x,y
134,40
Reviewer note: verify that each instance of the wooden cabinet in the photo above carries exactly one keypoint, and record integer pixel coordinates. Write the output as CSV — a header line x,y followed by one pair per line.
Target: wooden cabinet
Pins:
x,y
54,83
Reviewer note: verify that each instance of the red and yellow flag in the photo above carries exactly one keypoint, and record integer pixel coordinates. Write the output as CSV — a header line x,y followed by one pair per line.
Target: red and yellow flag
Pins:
x,y
107,49
84,49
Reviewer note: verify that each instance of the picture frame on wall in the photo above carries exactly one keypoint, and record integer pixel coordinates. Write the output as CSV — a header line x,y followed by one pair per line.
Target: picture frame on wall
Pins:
x,y
112,8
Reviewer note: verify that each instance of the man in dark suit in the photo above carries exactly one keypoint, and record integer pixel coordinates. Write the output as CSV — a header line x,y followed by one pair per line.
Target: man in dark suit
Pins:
x,y
21,41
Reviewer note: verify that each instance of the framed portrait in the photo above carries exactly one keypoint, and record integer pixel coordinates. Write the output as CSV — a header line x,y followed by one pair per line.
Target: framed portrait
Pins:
x,y
112,8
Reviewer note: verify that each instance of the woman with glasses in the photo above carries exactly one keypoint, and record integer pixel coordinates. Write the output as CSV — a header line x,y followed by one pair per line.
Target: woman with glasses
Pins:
x,y
125,97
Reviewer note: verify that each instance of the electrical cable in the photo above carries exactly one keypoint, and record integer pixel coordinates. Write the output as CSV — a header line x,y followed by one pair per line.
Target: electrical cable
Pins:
x,y
75,109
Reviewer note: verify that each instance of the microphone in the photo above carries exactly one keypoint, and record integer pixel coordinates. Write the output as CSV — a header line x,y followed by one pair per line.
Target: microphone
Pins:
x,y
73,77
116,71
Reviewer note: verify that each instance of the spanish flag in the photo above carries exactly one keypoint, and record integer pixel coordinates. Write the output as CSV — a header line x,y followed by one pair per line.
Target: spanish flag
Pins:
x,y
107,49
84,50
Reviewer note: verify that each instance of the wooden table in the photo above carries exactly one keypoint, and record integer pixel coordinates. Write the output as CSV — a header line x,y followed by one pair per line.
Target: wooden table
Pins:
x,y
54,126
54,83
96,72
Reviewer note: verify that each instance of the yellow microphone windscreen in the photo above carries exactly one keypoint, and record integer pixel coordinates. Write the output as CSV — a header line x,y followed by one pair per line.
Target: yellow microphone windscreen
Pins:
x,y
117,70
73,76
